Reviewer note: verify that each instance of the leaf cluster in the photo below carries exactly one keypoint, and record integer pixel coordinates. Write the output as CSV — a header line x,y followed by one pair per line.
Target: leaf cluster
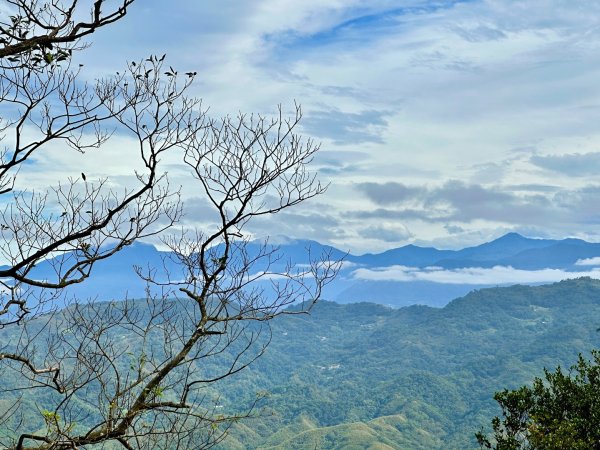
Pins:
x,y
560,411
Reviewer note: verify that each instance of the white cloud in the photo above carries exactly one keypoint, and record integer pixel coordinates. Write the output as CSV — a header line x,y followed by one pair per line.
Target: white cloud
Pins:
x,y
426,91
595,261
471,275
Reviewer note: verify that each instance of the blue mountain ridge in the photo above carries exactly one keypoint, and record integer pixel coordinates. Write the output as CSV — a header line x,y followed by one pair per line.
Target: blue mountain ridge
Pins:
x,y
115,278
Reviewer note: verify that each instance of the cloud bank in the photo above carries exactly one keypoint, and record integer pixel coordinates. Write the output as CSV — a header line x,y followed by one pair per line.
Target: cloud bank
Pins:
x,y
498,275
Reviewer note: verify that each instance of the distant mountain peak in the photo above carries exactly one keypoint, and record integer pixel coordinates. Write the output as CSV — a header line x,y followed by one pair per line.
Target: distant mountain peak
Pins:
x,y
512,235
411,246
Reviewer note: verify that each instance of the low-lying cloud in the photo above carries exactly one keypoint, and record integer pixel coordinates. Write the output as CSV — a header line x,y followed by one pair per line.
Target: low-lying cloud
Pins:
x,y
595,261
497,275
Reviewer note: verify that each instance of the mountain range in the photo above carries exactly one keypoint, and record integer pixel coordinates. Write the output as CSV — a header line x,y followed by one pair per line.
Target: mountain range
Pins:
x,y
397,277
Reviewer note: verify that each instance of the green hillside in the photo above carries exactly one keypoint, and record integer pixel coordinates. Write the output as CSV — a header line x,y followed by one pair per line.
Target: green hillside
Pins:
x,y
418,377
364,376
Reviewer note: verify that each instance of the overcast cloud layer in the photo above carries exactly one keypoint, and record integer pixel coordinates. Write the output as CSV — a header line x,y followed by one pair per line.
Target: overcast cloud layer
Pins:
x,y
447,122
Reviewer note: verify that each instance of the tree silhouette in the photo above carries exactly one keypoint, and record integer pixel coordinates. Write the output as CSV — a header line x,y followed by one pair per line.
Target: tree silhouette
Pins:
x,y
134,373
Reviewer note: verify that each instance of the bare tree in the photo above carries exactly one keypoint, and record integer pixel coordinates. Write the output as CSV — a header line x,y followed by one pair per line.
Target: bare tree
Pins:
x,y
44,103
146,369
136,373
34,32
79,222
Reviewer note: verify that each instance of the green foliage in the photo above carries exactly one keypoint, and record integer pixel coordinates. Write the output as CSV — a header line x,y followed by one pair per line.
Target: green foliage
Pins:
x,y
51,418
562,411
377,378
436,368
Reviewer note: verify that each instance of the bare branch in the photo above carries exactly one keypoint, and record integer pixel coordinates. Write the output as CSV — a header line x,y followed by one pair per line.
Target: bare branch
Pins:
x,y
134,373
35,29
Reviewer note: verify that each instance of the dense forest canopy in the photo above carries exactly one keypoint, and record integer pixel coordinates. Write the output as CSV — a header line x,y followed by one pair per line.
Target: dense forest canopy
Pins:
x,y
415,377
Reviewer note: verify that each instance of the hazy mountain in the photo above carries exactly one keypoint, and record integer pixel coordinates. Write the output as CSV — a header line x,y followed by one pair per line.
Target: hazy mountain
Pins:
x,y
508,245
400,293
451,278
510,249
562,254
361,278
409,255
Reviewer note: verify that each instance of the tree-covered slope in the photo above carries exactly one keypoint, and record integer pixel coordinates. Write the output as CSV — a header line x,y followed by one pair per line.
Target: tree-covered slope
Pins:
x,y
364,376
418,377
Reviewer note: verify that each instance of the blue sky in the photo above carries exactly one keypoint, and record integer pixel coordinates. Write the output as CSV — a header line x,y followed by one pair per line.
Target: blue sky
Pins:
x,y
446,122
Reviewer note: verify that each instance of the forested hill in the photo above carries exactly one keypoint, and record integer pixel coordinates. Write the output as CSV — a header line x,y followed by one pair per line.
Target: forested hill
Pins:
x,y
365,376
416,377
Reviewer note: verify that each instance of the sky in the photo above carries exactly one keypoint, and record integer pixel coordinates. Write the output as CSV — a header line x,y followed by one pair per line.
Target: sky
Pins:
x,y
445,123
